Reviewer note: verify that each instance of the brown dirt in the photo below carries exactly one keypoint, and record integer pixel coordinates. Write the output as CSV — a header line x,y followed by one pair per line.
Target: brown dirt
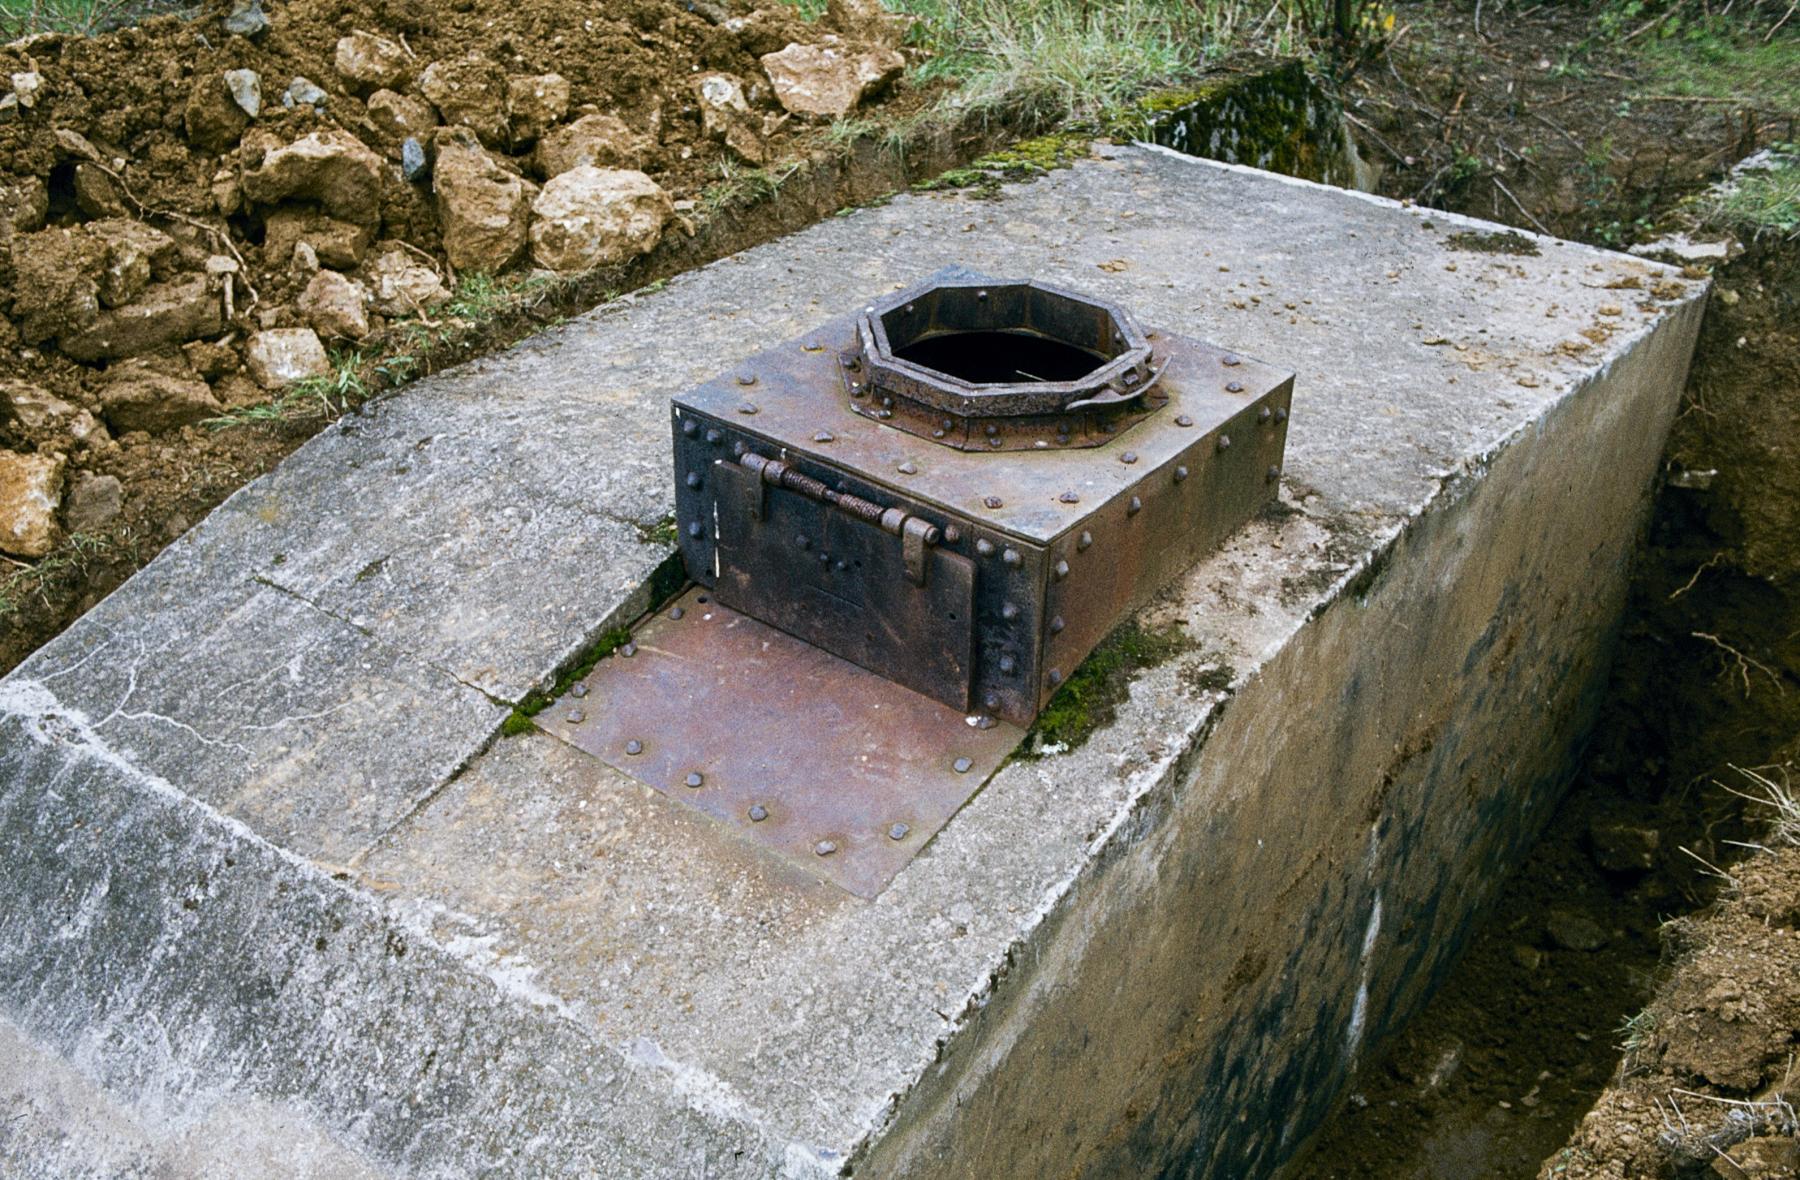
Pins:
x,y
1525,1035
127,91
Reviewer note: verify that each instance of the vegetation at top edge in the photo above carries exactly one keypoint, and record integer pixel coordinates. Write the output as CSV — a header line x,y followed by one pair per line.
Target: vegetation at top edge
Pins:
x,y
25,18
1091,696
535,702
1089,61
1763,201
1747,57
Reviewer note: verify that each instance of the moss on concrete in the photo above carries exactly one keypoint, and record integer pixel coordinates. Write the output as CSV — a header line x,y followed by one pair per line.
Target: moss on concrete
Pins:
x,y
520,719
1091,696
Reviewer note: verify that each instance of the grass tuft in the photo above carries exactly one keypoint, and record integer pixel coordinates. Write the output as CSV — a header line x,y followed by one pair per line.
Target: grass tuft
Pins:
x,y
1763,201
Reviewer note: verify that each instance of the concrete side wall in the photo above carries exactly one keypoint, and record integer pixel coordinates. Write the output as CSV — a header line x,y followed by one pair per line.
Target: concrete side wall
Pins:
x,y
170,977
1293,890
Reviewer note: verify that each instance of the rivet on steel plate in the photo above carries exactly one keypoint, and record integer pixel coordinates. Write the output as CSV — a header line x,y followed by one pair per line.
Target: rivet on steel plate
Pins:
x,y
1231,358
1264,414
693,479
947,424
985,722
1007,664
1069,498
695,778
1181,473
962,765
1008,611
1134,506
898,832
1128,457
634,747
1083,541
628,650
937,434
694,529
1281,415
908,468
990,701
824,848
984,548
824,436
1224,442
714,437
579,691
993,502
1011,557
803,541
991,429
689,427
747,408
812,346
1060,569
910,309
1183,420
952,534
1055,677
1272,474
887,403
1234,387
677,613
757,813
981,296
993,442
746,378
1056,625
575,717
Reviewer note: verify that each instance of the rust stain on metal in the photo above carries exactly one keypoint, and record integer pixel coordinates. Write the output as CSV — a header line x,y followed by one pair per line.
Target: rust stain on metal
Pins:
x,y
838,769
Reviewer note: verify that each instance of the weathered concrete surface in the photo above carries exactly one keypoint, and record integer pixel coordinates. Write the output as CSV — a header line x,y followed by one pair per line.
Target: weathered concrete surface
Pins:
x,y
246,874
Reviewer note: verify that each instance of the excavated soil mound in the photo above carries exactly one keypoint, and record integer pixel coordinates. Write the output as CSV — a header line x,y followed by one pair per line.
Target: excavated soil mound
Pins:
x,y
202,219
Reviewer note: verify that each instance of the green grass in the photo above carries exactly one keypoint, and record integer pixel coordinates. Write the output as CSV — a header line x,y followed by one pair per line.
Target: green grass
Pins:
x,y
1074,58
315,397
75,554
520,719
1763,201
1726,60
23,18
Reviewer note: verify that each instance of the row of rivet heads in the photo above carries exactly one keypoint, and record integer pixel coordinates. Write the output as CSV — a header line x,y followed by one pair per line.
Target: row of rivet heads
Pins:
x,y
756,812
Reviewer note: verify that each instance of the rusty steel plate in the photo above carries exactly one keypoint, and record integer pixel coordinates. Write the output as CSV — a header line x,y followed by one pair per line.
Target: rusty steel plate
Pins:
x,y
834,767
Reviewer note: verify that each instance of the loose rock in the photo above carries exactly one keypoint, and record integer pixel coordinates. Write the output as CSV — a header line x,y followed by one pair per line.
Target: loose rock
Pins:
x,y
534,104
1573,932
30,493
96,192
335,306
331,167
469,92
278,357
404,286
93,502
25,87
369,62
481,206
213,117
829,79
32,406
414,166
599,141
137,396
166,313
340,245
1624,848
398,117
588,217
24,203
726,116
303,92
245,88
133,252
55,282
246,19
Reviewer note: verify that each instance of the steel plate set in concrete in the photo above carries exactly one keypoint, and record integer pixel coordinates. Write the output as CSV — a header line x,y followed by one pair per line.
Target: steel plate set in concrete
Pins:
x,y
278,898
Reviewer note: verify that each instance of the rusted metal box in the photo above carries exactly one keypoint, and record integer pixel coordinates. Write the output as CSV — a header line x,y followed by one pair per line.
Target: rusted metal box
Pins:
x,y
965,485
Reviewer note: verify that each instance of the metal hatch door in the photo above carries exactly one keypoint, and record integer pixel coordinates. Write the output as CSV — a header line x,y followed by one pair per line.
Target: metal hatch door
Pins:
x,y
891,603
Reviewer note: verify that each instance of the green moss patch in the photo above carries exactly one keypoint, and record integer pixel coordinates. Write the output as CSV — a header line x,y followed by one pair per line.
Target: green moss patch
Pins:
x,y
1026,160
1091,696
1479,242
520,719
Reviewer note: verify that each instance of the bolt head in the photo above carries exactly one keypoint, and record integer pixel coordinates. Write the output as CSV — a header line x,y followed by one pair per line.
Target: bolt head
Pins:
x,y
1011,557
824,436
1055,677
1007,664
677,613
962,765
908,468
898,832
1231,359
757,813
1056,625
746,378
747,408
689,427
1272,474
579,691
1069,498
1224,442
714,437
693,479
695,778
1008,611
1281,415
1134,506
694,530
1234,387
1128,457
634,747
628,650
1264,414
575,717
993,502
984,547
1061,570
1083,541
824,848
1181,473
1183,420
